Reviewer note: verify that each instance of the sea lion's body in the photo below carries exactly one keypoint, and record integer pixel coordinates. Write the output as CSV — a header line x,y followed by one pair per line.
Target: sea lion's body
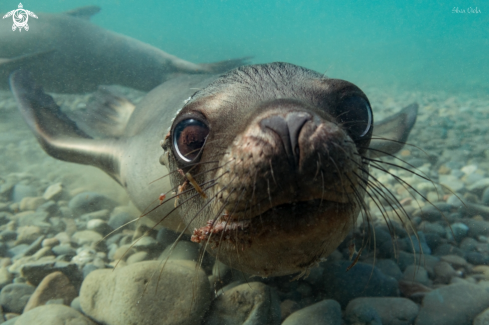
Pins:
x,y
68,54
269,162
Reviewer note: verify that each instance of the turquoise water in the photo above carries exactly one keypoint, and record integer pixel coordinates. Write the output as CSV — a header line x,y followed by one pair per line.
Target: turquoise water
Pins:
x,y
418,44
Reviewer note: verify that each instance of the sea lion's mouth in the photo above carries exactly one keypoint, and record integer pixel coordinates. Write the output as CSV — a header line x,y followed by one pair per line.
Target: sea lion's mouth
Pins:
x,y
282,221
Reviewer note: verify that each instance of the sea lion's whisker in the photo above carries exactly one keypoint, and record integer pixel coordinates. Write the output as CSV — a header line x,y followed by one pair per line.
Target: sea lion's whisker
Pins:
x,y
176,171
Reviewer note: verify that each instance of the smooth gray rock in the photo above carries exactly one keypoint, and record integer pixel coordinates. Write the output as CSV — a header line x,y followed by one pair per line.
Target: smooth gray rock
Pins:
x,y
455,304
251,303
87,202
53,314
362,280
389,267
143,294
362,315
482,318
323,312
415,273
21,191
392,311
14,297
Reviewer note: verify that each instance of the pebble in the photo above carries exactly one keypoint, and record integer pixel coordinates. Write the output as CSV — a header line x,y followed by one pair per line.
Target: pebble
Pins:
x,y
20,191
53,314
416,273
87,202
14,297
109,296
31,203
391,311
360,281
251,303
50,242
137,257
86,237
482,318
27,234
454,304
99,226
53,192
54,286
323,312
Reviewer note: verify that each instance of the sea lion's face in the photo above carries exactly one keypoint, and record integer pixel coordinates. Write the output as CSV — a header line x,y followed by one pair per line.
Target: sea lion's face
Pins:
x,y
271,166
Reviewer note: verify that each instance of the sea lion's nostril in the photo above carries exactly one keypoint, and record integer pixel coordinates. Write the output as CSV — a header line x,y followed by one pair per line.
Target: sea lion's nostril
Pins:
x,y
288,128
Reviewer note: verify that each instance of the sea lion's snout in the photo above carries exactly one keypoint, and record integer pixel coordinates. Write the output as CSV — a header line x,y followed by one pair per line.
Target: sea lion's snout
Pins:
x,y
288,129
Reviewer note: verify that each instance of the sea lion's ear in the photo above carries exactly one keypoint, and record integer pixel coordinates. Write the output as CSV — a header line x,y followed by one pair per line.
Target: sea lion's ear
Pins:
x,y
390,134
84,12
58,135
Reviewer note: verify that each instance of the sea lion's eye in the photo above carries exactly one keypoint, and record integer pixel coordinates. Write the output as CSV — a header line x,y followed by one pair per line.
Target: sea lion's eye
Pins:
x,y
189,136
356,116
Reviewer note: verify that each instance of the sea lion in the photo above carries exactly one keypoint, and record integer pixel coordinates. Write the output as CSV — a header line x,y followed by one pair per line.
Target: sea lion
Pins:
x,y
269,163
68,54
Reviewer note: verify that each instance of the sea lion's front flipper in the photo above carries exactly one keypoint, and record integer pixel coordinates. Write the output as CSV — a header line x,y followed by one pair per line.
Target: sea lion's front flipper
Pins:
x,y
84,12
58,135
106,115
391,133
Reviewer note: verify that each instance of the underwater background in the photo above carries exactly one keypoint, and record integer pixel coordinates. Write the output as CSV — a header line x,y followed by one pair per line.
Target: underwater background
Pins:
x,y
424,44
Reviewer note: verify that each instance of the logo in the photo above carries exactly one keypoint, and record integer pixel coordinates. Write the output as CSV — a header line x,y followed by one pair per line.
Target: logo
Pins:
x,y
20,17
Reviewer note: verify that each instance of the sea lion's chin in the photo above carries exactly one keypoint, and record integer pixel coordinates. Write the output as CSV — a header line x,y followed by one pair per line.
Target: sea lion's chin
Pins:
x,y
285,239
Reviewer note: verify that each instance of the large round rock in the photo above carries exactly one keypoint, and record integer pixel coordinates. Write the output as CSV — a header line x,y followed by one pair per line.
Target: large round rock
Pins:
x,y
144,294
362,280
455,304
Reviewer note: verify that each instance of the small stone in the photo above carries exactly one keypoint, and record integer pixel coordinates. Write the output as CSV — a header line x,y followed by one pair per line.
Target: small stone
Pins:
x,y
35,272
53,192
392,311
101,214
137,257
21,191
252,303
184,250
99,226
455,261
64,249
454,304
86,237
485,197
14,297
28,234
360,281
63,238
53,314
457,231
50,207
415,273
444,272
145,243
168,298
89,202
31,203
5,277
54,286
287,307
120,219
323,312
50,242
482,318
479,185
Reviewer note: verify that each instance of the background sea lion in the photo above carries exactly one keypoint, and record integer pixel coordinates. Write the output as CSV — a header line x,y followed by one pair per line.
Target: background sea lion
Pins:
x,y
68,54
269,162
